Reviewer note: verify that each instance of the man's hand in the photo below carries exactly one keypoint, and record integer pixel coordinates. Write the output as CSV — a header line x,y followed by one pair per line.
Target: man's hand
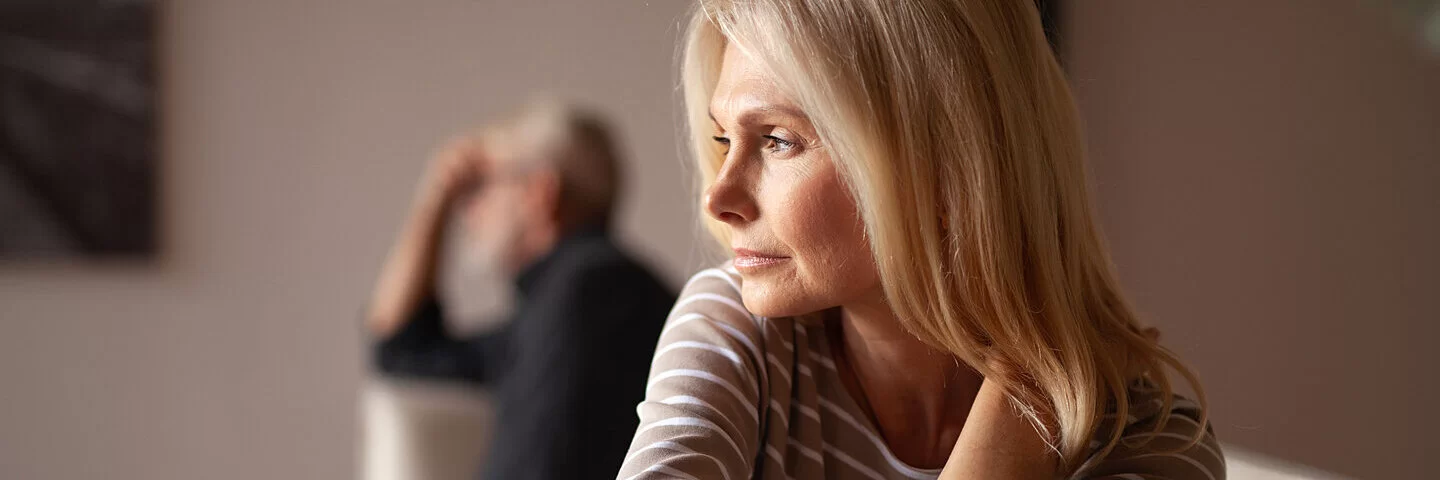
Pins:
x,y
454,170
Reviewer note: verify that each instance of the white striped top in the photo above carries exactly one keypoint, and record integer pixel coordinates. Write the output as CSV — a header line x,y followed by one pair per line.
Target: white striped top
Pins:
x,y
735,396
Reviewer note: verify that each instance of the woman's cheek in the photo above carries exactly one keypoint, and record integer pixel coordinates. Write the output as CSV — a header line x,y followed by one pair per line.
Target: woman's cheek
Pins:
x,y
797,213
835,219
819,217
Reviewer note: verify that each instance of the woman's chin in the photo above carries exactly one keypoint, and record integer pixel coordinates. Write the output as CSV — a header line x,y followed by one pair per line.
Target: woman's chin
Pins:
x,y
763,300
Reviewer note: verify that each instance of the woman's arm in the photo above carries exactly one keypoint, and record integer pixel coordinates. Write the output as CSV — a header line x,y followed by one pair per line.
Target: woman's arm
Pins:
x,y
1171,453
997,442
700,417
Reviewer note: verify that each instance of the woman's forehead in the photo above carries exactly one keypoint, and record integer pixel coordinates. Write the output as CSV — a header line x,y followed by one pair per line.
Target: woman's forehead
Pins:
x,y
747,89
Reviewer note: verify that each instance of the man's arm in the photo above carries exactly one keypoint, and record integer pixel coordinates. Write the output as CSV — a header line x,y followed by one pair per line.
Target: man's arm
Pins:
x,y
423,347
408,276
405,317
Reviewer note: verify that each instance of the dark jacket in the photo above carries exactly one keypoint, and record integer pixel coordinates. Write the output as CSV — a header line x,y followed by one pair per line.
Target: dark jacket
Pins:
x,y
567,370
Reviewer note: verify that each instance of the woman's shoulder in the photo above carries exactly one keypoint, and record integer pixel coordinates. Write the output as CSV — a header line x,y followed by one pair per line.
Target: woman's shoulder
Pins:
x,y
721,280
714,294
711,309
703,403
1163,434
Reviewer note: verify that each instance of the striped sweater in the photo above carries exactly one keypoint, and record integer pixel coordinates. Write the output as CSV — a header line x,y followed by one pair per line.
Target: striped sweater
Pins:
x,y
734,396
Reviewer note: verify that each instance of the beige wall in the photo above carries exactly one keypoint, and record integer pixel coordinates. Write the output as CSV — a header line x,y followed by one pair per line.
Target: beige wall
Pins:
x,y
1269,173
294,132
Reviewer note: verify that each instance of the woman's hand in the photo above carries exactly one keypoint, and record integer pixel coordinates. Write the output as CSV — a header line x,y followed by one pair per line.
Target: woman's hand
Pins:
x,y
998,442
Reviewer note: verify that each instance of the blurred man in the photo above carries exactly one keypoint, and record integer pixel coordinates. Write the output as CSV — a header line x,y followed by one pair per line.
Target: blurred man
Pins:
x,y
536,195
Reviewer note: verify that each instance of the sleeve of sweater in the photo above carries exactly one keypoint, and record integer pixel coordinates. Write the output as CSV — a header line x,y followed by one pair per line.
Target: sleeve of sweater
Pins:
x,y
700,416
425,348
1143,453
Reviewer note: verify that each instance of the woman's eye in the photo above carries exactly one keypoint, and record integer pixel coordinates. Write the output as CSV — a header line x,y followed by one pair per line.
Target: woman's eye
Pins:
x,y
722,141
778,144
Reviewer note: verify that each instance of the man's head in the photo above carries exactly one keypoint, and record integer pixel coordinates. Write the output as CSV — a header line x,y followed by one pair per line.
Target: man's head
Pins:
x,y
547,170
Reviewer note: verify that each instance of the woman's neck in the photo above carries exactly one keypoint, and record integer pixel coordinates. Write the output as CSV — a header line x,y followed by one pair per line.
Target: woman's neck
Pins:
x,y
917,395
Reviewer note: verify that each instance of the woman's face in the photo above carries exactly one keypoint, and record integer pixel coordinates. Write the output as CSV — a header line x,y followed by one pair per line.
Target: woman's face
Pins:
x,y
797,238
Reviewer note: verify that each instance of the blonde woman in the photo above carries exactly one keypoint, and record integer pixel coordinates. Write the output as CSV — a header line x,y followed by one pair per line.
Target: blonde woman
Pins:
x,y
918,287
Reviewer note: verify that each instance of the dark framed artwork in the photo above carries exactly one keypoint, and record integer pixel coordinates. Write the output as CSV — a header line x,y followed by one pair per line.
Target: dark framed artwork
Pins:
x,y
78,160
1050,17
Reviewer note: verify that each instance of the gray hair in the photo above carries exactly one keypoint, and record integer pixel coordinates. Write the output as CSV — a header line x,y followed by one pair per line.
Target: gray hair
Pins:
x,y
577,144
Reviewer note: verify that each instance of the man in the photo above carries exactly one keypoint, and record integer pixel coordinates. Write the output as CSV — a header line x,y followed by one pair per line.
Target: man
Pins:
x,y
536,195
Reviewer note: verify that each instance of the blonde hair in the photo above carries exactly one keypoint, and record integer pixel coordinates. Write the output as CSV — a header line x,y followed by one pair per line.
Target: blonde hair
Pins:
x,y
953,126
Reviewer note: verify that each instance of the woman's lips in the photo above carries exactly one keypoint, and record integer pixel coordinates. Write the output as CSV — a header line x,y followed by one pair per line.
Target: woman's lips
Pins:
x,y
752,260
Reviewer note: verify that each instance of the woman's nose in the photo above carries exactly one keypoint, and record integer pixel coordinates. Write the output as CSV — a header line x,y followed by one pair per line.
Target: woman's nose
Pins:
x,y
728,199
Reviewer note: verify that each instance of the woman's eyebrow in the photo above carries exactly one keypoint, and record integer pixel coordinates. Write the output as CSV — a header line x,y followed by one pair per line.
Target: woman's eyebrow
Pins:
x,y
753,115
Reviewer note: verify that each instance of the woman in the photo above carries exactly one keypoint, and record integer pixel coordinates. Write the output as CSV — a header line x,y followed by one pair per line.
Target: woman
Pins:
x,y
918,286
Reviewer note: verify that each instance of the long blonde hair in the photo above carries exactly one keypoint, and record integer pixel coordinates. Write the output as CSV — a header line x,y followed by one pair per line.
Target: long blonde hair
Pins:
x,y
953,126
